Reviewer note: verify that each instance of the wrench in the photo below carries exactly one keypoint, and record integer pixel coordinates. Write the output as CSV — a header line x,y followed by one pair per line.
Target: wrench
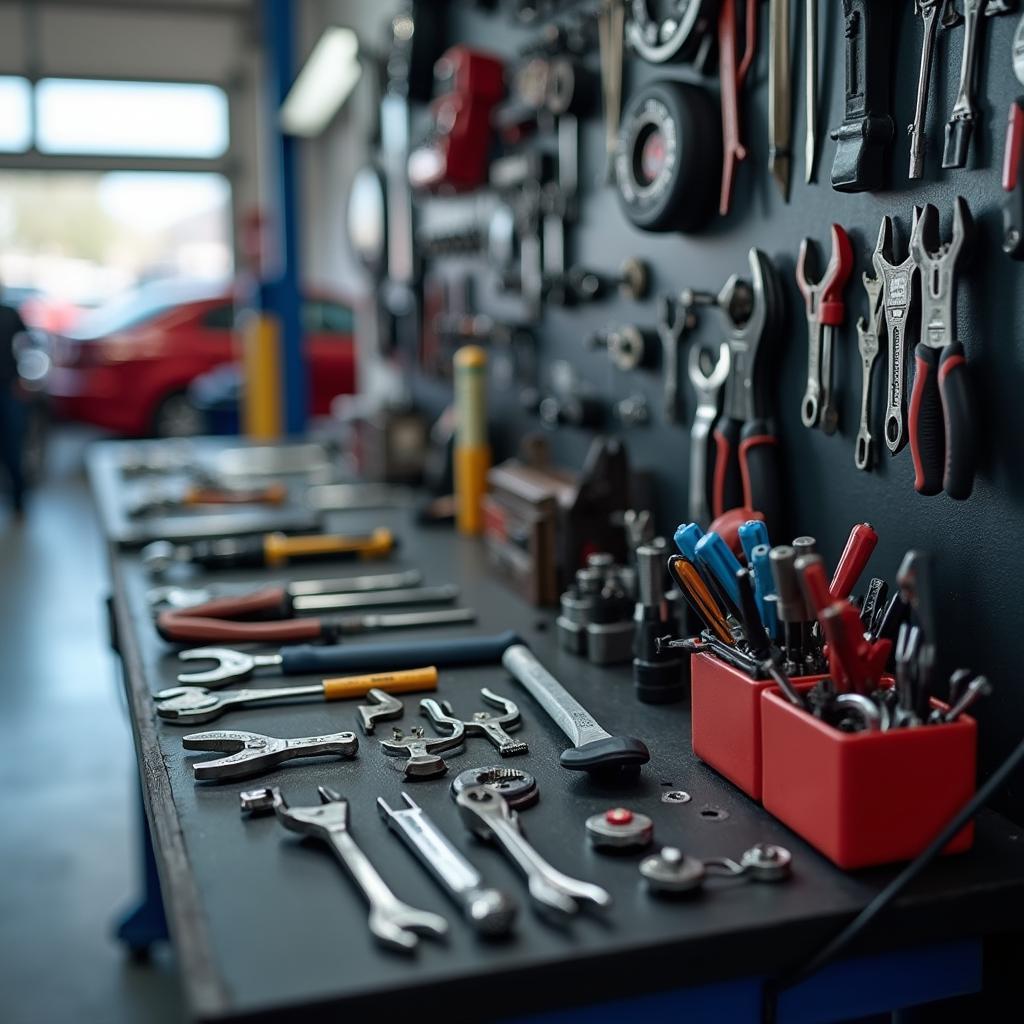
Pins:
x,y
189,705
422,752
825,312
928,11
675,321
393,923
488,816
483,723
779,96
708,387
250,753
811,86
382,707
489,911
868,344
964,115
898,291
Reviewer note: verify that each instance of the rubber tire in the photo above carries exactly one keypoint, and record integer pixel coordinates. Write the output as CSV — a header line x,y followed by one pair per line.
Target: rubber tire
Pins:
x,y
692,199
177,405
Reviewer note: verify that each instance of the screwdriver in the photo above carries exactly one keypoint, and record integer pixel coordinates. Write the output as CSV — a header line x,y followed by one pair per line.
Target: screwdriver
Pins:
x,y
717,559
790,600
764,589
753,534
859,546
272,549
686,578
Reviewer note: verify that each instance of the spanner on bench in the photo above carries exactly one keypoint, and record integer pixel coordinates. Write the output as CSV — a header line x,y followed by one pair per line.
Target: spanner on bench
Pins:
x,y
250,753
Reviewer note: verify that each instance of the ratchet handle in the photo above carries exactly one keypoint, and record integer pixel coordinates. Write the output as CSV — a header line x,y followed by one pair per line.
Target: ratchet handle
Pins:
x,y
413,680
961,440
472,650
727,484
759,471
942,432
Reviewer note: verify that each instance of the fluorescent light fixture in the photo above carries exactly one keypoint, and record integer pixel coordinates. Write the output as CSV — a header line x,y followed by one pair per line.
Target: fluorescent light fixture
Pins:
x,y
323,85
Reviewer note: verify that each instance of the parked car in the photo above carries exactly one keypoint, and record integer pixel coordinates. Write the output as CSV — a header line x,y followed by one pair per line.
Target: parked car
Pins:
x,y
128,365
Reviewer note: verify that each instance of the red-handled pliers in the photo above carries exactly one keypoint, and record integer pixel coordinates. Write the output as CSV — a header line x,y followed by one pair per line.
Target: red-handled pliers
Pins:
x,y
942,427
746,448
825,312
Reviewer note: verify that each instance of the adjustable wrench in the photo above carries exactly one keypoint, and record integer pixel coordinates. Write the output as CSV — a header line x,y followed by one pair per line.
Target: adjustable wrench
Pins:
x,y
825,312
898,292
961,121
483,723
929,13
393,923
488,816
489,911
868,344
708,387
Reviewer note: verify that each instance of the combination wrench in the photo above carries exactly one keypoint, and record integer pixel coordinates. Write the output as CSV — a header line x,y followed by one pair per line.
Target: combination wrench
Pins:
x,y
928,11
489,911
393,923
898,299
868,345
708,387
488,816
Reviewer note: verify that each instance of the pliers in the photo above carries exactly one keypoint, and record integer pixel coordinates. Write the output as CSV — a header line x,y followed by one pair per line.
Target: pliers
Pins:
x,y
942,419
251,753
746,448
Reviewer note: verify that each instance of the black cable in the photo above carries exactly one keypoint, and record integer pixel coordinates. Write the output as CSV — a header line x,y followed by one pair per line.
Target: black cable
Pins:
x,y
848,934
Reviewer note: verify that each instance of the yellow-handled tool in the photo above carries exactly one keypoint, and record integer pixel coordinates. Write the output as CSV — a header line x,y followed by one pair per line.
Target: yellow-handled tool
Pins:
x,y
190,705
472,453
280,548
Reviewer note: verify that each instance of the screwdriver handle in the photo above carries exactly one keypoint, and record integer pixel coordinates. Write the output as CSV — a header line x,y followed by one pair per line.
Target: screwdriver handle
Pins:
x,y
469,650
686,578
859,546
716,557
686,537
811,571
410,681
753,533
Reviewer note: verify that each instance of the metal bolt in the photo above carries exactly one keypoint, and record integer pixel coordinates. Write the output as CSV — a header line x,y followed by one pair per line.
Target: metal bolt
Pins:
x,y
675,796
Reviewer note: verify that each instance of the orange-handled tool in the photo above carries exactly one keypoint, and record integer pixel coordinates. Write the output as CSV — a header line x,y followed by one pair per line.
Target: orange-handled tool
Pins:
x,y
686,577
189,705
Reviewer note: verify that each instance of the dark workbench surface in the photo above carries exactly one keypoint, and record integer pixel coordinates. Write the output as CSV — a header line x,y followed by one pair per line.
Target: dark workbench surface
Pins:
x,y
264,923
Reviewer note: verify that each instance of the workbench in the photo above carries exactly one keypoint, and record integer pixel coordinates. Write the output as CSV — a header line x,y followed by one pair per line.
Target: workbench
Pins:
x,y
267,926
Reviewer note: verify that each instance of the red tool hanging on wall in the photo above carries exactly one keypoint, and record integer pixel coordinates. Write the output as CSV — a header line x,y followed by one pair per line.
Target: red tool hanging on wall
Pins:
x,y
733,69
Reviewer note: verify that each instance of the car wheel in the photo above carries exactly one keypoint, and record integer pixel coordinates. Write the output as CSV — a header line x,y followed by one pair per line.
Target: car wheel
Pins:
x,y
176,416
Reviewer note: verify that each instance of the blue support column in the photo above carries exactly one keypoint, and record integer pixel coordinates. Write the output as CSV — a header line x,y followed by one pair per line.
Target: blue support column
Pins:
x,y
281,289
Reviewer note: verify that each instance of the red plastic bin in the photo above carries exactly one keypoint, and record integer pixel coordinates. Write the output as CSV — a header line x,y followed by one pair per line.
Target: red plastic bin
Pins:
x,y
868,797
725,719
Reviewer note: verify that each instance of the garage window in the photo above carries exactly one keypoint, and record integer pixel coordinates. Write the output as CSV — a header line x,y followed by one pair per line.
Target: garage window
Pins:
x,y
154,119
15,114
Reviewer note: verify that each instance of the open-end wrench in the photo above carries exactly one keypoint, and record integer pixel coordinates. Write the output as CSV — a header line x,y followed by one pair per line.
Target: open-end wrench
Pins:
x,y
192,705
733,75
868,344
825,312
393,923
898,297
483,723
611,27
489,911
488,816
708,387
233,666
251,753
675,320
594,749
965,113
943,431
928,10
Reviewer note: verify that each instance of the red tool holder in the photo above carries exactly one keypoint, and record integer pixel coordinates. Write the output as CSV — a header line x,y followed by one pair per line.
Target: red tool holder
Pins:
x,y
725,719
868,797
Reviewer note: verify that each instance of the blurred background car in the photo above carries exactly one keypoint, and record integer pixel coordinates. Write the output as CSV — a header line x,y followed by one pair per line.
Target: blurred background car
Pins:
x,y
128,365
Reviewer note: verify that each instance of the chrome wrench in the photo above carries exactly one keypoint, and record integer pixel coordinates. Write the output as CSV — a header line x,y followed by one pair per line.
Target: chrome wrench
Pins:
x,y
488,816
489,911
708,387
928,10
868,344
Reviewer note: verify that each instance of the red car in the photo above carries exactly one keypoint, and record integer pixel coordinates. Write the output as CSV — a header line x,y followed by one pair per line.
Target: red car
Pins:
x,y
127,366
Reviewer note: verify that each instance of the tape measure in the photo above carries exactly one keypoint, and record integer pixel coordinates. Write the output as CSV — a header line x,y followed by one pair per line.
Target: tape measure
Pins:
x,y
668,162
660,30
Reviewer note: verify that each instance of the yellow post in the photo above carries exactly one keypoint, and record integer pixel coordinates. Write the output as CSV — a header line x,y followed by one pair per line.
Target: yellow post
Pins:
x,y
261,377
472,454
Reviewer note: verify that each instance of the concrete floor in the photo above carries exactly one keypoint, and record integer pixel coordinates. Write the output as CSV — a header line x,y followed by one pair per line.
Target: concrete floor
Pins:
x,y
67,774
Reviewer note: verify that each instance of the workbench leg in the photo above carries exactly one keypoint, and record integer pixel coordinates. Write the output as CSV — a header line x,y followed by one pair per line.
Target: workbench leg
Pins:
x,y
147,923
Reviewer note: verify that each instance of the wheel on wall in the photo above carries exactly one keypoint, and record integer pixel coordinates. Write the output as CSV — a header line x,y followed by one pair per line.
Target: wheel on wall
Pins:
x,y
176,416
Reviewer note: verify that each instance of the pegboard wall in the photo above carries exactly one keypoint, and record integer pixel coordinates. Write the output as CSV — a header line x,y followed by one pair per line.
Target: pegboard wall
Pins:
x,y
978,567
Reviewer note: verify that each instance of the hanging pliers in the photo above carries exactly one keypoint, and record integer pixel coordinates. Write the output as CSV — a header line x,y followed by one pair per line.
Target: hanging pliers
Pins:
x,y
942,417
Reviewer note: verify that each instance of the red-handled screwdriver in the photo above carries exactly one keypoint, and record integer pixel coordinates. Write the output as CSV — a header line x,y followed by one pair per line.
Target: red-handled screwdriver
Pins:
x,y
859,546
